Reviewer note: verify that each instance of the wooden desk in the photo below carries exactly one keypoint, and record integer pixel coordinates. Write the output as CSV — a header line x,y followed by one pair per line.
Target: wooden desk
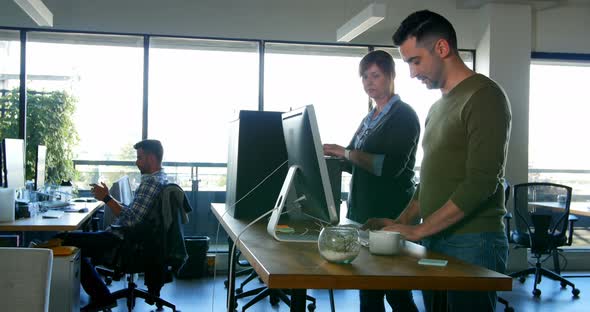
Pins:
x,y
577,208
69,221
299,266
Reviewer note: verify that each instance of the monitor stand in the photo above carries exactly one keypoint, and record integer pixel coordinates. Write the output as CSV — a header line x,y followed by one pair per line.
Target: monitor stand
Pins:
x,y
302,233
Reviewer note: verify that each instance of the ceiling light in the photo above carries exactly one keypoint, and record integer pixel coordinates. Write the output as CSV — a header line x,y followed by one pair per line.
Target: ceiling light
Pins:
x,y
37,11
366,19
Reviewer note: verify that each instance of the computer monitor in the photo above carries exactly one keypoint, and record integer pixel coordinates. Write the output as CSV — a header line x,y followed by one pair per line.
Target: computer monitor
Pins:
x,y
121,191
40,167
14,163
307,183
1,165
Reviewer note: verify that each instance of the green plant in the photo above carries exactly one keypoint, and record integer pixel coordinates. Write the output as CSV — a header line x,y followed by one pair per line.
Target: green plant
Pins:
x,y
50,123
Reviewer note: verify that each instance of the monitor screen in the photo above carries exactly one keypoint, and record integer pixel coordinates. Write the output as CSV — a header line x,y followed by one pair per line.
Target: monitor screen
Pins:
x,y
14,163
121,191
40,167
304,150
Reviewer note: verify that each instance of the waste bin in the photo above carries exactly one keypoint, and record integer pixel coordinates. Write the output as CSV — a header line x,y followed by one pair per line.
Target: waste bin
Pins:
x,y
196,264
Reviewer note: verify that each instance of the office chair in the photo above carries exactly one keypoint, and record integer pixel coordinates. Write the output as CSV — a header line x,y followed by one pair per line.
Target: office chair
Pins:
x,y
26,278
154,247
543,224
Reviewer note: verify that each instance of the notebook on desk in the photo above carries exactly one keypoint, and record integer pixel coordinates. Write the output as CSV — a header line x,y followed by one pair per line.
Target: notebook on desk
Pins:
x,y
52,214
52,204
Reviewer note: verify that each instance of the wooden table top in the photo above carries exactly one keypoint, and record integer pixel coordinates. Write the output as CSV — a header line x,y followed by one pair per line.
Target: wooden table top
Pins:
x,y
69,221
299,265
576,208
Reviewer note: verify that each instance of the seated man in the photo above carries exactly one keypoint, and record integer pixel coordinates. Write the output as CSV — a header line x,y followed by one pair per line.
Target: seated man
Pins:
x,y
95,245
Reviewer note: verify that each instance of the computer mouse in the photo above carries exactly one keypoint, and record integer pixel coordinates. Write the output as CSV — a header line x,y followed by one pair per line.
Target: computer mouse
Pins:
x,y
91,200
83,210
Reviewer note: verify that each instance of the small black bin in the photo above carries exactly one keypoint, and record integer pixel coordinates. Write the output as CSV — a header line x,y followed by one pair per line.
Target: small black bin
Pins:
x,y
196,265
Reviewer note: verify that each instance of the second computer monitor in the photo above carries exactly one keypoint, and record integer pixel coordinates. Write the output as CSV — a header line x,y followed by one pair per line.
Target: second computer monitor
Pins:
x,y
14,163
307,183
121,191
40,167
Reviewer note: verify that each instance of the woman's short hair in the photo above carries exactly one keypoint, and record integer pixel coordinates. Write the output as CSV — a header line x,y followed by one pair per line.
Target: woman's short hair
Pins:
x,y
382,59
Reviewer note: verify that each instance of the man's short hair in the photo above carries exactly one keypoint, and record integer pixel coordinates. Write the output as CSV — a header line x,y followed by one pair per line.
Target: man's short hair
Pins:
x,y
382,59
153,147
426,25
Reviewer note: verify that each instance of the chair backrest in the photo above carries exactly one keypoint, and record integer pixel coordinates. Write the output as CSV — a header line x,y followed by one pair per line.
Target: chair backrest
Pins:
x,y
25,278
152,243
542,210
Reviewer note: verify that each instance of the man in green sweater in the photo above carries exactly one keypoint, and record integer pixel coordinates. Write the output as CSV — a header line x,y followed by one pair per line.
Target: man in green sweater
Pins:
x,y
460,197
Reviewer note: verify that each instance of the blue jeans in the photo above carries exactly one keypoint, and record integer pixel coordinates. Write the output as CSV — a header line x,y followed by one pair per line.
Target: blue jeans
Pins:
x,y
489,250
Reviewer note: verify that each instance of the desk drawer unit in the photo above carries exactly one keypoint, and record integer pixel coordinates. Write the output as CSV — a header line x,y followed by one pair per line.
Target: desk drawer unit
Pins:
x,y
65,283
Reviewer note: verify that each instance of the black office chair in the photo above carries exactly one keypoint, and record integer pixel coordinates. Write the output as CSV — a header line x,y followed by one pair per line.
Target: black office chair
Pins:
x,y
543,224
154,247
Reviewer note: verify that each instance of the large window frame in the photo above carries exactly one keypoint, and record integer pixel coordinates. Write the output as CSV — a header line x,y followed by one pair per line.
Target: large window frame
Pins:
x,y
554,152
193,171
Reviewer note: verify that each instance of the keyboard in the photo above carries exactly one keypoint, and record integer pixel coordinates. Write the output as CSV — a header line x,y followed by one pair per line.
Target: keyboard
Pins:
x,y
52,204
295,237
52,214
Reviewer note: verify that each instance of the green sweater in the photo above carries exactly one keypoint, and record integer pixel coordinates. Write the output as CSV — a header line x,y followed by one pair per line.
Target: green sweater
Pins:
x,y
465,144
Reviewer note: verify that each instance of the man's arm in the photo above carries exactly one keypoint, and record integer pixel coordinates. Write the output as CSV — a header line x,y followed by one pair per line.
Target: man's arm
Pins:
x,y
144,197
441,219
408,216
101,192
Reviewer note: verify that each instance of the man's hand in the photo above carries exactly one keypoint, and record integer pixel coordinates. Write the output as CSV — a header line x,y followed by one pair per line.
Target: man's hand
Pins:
x,y
334,150
100,191
409,232
375,224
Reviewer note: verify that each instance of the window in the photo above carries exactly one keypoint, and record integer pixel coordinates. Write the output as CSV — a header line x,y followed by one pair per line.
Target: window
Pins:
x,y
296,75
196,87
9,83
558,113
101,78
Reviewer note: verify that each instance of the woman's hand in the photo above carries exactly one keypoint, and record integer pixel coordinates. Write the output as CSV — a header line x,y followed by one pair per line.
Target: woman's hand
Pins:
x,y
334,150
375,224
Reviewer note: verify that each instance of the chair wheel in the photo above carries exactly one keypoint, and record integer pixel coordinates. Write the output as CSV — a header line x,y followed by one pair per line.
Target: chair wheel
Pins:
x,y
509,309
563,284
537,293
575,292
522,279
225,283
274,300
311,307
108,280
239,290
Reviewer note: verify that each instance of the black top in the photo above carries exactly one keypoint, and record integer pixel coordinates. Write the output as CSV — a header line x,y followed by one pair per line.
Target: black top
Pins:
x,y
386,196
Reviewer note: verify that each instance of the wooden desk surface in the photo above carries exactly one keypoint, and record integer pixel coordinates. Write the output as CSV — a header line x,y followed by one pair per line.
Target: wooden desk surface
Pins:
x,y
69,221
299,265
576,208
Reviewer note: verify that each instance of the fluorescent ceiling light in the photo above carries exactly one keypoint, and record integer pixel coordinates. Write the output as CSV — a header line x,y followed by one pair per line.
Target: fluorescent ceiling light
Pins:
x,y
366,19
37,11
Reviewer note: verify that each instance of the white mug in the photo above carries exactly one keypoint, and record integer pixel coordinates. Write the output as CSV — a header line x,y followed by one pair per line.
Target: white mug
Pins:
x,y
385,242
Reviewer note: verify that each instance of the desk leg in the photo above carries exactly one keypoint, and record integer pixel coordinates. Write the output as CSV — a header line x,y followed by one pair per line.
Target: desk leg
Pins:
x,y
231,285
439,301
298,300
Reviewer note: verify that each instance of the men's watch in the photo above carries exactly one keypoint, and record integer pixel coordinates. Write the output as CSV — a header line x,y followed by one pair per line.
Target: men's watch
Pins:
x,y
347,154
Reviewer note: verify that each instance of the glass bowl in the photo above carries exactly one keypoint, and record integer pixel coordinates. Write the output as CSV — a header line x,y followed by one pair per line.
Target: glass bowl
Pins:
x,y
339,244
